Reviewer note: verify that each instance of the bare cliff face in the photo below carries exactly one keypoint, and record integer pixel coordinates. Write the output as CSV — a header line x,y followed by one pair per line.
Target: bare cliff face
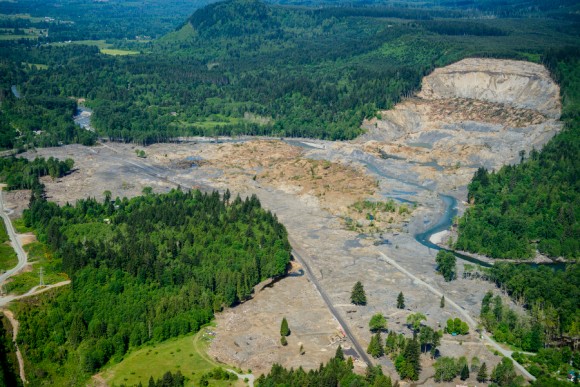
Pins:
x,y
476,112
514,83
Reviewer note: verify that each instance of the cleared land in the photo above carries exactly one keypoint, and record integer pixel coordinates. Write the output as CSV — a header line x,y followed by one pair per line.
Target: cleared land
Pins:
x,y
115,51
257,345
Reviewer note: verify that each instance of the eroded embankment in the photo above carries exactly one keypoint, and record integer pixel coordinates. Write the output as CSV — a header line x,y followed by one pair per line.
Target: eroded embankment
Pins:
x,y
476,112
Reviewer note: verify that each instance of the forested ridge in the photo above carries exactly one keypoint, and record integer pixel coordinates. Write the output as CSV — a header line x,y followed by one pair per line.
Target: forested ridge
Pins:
x,y
535,204
143,270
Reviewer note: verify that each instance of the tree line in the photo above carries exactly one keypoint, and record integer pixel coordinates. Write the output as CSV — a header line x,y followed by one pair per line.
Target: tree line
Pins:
x,y
337,372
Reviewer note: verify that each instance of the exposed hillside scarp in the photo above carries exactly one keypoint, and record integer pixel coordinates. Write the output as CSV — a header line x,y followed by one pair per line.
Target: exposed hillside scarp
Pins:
x,y
514,83
476,112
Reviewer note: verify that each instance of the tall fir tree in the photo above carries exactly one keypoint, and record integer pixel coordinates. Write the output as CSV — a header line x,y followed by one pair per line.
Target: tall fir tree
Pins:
x,y
464,375
401,301
391,342
284,330
375,348
413,359
358,295
482,374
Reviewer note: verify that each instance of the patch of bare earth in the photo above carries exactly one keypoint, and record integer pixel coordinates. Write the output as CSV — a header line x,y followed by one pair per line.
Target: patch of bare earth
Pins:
x,y
334,186
16,202
248,335
27,238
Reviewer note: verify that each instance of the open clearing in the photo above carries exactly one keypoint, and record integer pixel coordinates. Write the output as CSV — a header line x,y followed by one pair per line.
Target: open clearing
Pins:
x,y
115,51
186,354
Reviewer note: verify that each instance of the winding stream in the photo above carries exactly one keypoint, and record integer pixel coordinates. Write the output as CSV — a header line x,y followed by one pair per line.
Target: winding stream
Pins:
x,y
442,224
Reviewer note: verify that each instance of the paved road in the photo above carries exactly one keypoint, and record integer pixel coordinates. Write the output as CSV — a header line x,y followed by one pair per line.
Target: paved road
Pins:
x,y
22,257
466,316
298,253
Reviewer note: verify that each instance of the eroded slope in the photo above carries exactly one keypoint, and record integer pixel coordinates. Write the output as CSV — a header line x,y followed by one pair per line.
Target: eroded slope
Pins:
x,y
476,112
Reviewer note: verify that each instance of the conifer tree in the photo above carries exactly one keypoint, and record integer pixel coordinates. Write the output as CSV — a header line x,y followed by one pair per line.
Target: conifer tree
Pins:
x,y
401,301
339,353
375,348
284,330
412,357
482,374
442,303
358,296
391,342
464,375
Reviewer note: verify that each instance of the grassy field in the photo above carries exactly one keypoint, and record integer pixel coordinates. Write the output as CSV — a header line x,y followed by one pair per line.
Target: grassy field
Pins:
x,y
186,354
36,66
114,51
8,257
41,257
104,47
16,37
4,16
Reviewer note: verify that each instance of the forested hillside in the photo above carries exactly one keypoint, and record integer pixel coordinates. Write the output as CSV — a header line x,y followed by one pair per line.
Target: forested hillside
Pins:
x,y
245,67
142,270
536,204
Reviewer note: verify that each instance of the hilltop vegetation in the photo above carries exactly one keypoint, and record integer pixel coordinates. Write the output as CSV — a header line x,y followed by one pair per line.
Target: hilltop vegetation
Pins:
x,y
85,20
142,270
